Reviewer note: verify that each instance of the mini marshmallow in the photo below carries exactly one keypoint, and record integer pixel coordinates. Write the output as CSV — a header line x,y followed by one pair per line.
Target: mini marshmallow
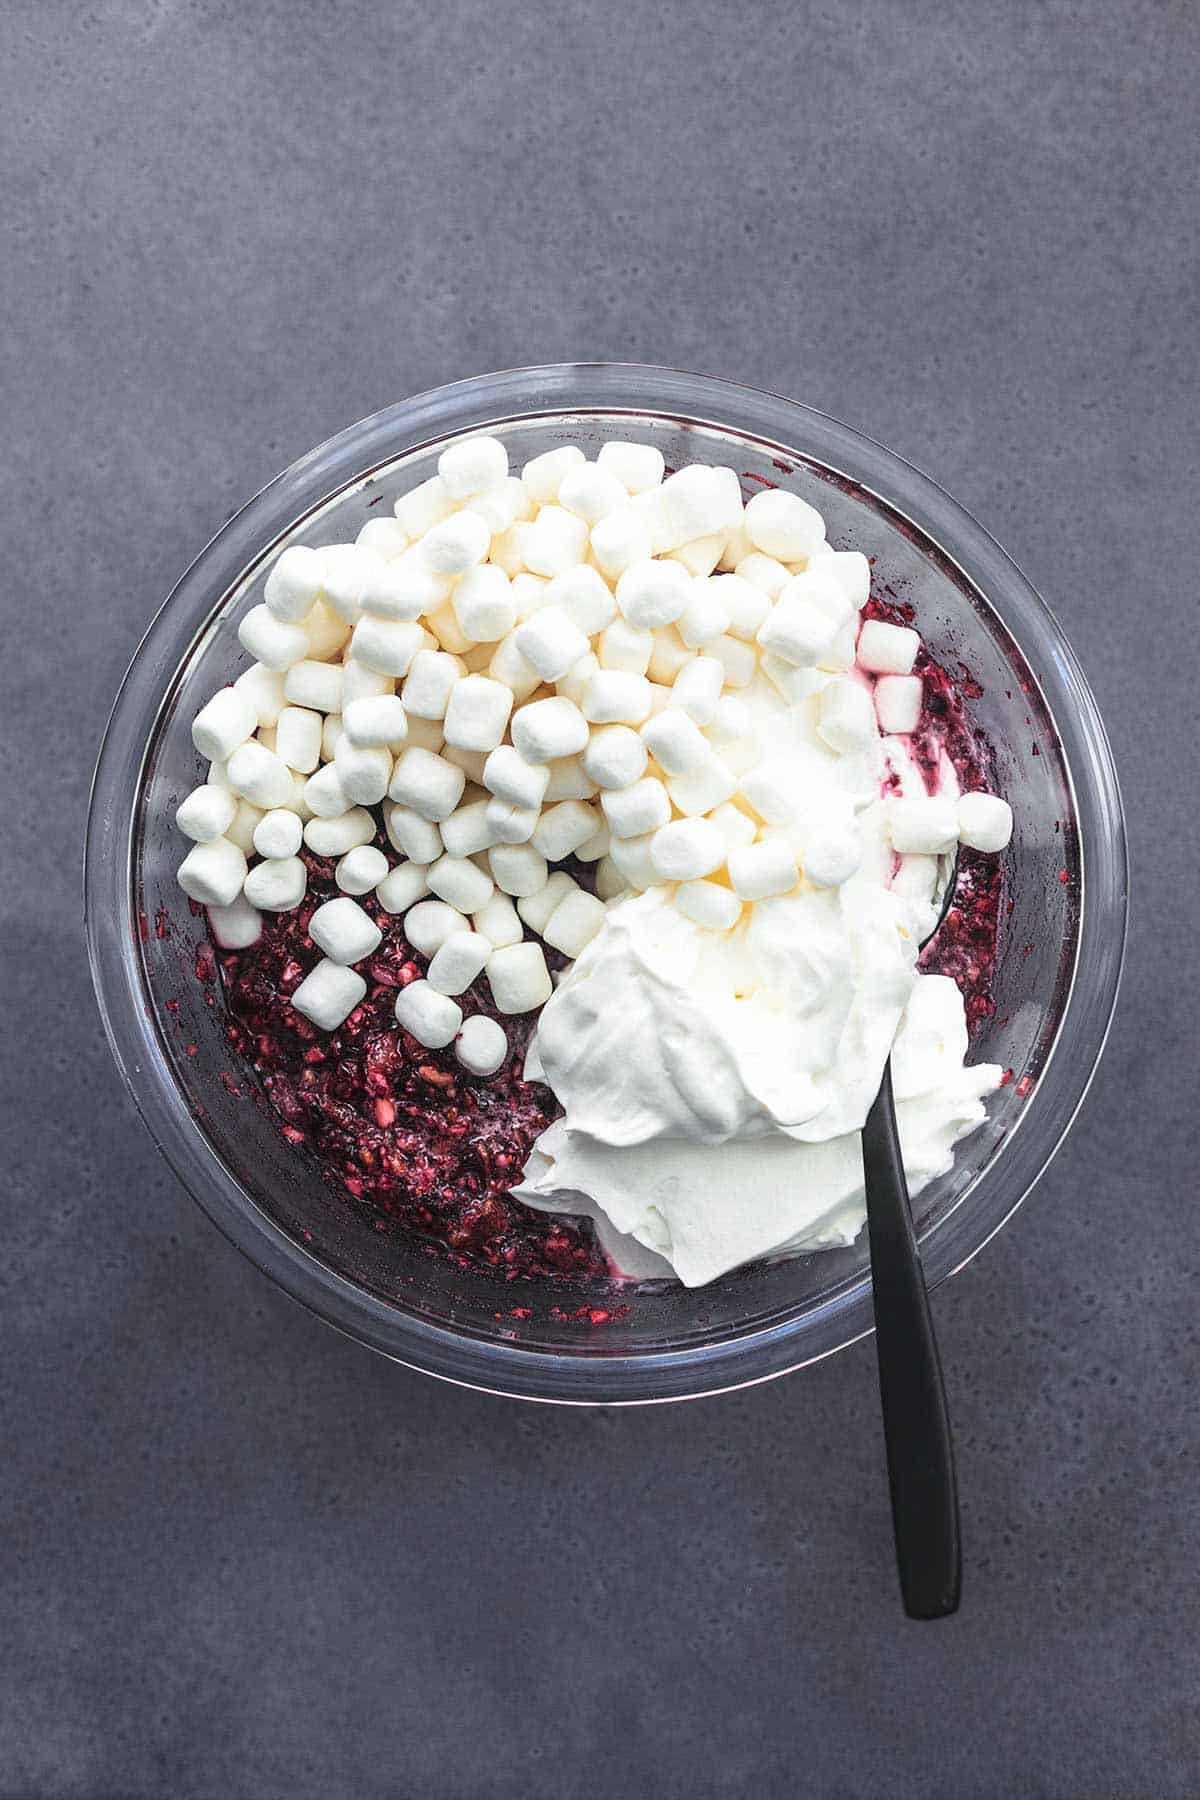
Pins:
x,y
926,826
851,570
517,869
468,830
550,642
631,858
508,548
768,576
207,813
424,506
625,647
535,909
531,592
547,729
791,683
460,883
498,922
562,828
428,783
708,905
429,683
830,853
652,594
839,658
703,788
298,738
279,833
803,622
241,830
620,541
596,846
675,741
432,1018
507,775
471,762
771,790
591,492
333,837
916,878
543,475
985,822
509,666
361,870
325,633
509,824
385,645
898,701
696,689
472,466
222,726
430,923
458,962
329,994
236,926
376,723
361,683
615,756
641,807
477,713
481,1045
411,834
484,605
403,591
737,547
519,978
427,734
669,655
696,502
574,923
315,685
636,466
686,849
585,597
445,632
736,827
887,649
701,556
276,884
213,873
270,641
401,887
385,536
349,571
294,582
573,685
501,505
264,689
759,870
846,715
706,616
569,780
344,931
364,773
609,880
324,795
614,698
555,541
455,544
260,775
782,525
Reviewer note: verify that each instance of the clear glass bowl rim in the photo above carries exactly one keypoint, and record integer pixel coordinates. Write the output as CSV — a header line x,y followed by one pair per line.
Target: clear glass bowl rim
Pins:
x,y
567,389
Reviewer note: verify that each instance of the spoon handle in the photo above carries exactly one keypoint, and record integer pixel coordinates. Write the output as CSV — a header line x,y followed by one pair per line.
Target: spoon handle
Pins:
x,y
916,1423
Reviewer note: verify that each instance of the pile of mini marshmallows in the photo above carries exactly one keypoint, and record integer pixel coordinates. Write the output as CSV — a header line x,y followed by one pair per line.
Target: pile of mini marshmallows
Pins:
x,y
525,669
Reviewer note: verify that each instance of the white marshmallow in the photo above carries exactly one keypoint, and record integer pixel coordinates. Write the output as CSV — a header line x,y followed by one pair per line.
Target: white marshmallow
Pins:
x,y
455,544
260,775
701,556
555,541
349,570
637,809
542,475
735,826
427,734
207,813
507,775
316,685
508,548
498,922
468,830
402,887
519,978
213,873
985,822
573,685
245,821
344,931
625,647
364,773
270,641
333,837
429,684
631,858
686,850
460,883
615,756
739,660
481,1045
471,762
737,547
887,649
518,869
531,592
403,591
768,576
614,698
430,923
484,604
550,642
609,880
535,909
585,597
279,833
698,501
574,923
620,541
324,795
276,884
329,994
361,683
224,724
547,729
917,877
703,788
595,846
385,536
569,780
445,633
706,615
385,645
562,828
791,683
898,702
412,835
784,526
477,713
432,1018
376,723
472,466
294,582
264,688
236,926
669,655
852,571
510,667
501,505
298,738
458,962
428,783
803,622
696,689
636,466
424,506
708,904
591,492
652,594
830,852
926,825
771,790
846,715
325,633
675,741
361,870
759,870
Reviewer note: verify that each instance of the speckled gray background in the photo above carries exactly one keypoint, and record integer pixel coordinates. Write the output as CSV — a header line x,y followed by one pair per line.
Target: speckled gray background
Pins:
x,y
241,1556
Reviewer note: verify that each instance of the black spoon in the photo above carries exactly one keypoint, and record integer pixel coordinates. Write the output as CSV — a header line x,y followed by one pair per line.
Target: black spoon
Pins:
x,y
916,1422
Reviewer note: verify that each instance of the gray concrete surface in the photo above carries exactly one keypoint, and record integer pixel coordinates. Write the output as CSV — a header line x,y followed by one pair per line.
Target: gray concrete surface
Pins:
x,y
243,1557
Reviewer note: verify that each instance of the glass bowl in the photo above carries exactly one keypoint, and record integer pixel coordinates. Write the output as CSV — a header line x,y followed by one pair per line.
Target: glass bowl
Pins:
x,y
1058,968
